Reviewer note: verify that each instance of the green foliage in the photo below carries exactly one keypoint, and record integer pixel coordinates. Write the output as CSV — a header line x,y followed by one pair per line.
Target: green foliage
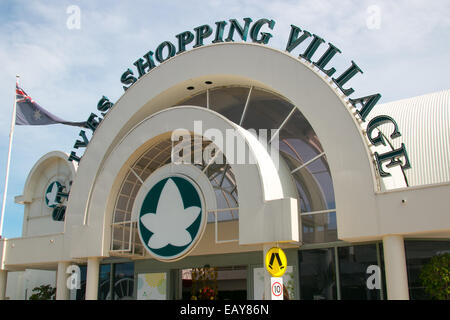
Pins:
x,y
435,276
44,292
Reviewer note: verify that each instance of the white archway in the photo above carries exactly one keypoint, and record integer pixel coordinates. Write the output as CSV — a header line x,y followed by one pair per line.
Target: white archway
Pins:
x,y
267,205
230,63
45,160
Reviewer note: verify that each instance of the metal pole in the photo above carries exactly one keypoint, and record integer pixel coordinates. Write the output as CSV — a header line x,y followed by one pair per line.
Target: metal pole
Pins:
x,y
11,133
338,275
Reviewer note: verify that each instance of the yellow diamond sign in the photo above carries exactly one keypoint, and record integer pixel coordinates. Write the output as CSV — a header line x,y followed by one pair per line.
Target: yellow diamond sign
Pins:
x,y
276,262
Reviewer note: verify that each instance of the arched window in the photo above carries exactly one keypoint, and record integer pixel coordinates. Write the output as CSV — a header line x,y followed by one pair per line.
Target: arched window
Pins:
x,y
254,109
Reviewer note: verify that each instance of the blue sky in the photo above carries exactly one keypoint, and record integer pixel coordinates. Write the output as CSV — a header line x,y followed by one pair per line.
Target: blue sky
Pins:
x,y
402,47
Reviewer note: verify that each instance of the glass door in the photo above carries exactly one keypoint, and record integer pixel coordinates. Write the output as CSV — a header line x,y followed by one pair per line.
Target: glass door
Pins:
x,y
214,283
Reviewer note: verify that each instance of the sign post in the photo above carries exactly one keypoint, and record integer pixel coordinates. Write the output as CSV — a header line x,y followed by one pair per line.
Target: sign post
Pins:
x,y
276,288
276,265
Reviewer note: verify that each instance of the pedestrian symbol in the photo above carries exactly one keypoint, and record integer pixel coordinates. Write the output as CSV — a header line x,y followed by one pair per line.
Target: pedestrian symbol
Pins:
x,y
276,262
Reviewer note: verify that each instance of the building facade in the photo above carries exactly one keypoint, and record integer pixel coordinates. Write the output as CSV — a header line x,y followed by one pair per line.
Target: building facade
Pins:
x,y
220,153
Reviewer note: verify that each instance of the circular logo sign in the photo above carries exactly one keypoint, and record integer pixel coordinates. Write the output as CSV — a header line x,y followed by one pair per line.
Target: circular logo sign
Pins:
x,y
51,194
171,218
276,262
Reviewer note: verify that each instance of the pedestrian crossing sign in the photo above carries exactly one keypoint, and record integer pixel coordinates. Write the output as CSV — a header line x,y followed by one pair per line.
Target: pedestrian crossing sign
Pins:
x,y
276,262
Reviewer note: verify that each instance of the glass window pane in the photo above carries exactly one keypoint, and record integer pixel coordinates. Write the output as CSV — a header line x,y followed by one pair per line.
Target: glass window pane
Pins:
x,y
80,293
318,228
297,131
265,111
104,282
229,102
124,281
317,274
418,254
224,283
298,145
322,178
353,264
197,100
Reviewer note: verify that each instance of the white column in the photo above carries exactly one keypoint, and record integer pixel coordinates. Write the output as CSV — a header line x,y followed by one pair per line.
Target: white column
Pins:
x,y
395,266
93,267
3,278
62,291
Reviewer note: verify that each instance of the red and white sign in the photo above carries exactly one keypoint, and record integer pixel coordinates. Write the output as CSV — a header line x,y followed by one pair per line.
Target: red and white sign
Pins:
x,y
276,285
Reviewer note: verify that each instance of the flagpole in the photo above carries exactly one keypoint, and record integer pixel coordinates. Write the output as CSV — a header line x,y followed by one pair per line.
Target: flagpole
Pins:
x,y
11,134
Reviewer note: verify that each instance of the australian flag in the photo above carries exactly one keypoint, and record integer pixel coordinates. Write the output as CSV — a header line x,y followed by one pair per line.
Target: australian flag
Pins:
x,y
28,112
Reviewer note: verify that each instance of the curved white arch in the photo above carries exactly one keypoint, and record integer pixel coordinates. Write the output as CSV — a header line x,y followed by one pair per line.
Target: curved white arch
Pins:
x,y
251,64
264,202
28,189
50,167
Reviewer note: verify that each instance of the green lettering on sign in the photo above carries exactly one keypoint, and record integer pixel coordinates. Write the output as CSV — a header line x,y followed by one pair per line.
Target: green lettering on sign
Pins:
x,y
104,104
394,160
297,36
367,104
255,30
92,123
243,31
170,51
326,57
73,157
346,76
312,48
376,122
184,38
128,78
219,31
294,39
201,34
141,66
79,143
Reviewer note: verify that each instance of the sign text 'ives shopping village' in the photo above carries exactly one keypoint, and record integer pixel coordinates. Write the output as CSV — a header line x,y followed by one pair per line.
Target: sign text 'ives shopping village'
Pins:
x,y
258,32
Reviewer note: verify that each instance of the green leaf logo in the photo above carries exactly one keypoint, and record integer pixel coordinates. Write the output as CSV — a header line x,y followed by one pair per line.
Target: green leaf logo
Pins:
x,y
171,218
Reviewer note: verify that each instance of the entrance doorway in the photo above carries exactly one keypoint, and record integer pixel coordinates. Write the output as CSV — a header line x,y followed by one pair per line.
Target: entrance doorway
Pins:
x,y
214,283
